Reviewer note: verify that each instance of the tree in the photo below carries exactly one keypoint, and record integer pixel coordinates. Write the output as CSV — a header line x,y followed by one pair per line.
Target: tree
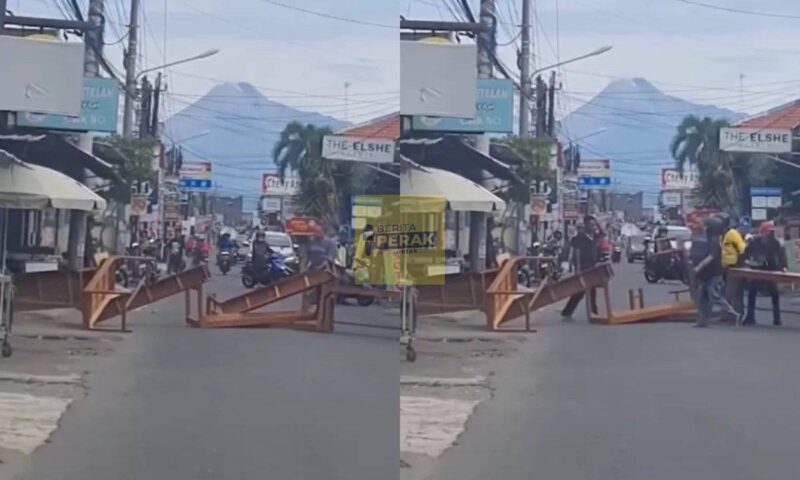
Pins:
x,y
137,165
324,185
534,167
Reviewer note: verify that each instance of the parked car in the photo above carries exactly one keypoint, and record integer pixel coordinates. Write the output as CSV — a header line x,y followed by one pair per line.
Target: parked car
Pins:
x,y
635,247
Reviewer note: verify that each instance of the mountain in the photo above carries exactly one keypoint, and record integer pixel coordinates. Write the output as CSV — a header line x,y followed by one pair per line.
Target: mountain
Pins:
x,y
636,122
235,127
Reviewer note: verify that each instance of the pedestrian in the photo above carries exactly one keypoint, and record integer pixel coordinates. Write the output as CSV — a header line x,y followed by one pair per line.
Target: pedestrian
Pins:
x,y
765,252
708,274
733,246
583,255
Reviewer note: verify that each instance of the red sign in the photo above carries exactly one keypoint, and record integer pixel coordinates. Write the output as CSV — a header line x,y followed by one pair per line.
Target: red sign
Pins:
x,y
302,226
571,210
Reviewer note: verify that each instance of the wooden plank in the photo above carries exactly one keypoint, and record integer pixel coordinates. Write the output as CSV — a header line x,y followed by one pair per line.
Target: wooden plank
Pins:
x,y
655,312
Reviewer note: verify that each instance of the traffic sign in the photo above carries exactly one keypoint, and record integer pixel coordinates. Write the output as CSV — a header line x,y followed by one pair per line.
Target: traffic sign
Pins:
x,y
594,181
194,184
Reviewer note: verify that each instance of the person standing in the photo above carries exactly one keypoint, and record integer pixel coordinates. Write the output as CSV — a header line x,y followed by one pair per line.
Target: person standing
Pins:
x,y
583,255
764,253
708,274
733,247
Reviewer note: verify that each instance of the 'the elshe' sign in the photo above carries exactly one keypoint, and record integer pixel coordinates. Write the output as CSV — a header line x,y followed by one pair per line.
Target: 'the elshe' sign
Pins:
x,y
755,140
358,149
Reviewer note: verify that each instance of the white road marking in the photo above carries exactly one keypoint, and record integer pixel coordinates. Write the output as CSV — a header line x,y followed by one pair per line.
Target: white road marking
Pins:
x,y
431,425
26,421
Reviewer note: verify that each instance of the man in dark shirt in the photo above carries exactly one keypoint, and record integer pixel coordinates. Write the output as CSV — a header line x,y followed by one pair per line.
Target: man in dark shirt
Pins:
x,y
583,256
764,253
708,275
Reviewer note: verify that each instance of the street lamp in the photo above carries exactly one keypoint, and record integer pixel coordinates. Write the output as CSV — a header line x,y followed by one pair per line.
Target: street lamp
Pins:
x,y
130,87
593,53
200,56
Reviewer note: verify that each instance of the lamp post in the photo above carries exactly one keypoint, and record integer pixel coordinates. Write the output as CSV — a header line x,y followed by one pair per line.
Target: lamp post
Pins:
x,y
130,87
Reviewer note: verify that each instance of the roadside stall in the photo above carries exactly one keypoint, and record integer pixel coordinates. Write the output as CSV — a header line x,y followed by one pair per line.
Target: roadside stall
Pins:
x,y
29,187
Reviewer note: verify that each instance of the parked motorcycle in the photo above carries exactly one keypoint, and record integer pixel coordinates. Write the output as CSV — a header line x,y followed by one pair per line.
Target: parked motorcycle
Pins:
x,y
275,270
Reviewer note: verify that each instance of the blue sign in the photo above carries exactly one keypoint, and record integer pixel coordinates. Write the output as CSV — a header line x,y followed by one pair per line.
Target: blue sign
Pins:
x,y
766,192
99,110
594,181
194,184
495,111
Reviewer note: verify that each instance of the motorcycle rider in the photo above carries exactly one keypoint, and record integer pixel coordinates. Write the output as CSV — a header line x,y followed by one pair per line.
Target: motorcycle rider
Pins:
x,y
260,253
175,255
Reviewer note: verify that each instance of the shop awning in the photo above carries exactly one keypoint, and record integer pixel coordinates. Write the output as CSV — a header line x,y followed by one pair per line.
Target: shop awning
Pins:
x,y
460,193
56,152
451,153
28,186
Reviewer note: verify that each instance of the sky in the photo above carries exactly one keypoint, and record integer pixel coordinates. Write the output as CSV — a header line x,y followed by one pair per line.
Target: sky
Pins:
x,y
745,61
293,57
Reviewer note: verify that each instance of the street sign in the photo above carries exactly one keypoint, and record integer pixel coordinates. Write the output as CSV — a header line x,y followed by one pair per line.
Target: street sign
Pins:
x,y
98,110
755,140
766,191
494,111
188,184
594,181
195,176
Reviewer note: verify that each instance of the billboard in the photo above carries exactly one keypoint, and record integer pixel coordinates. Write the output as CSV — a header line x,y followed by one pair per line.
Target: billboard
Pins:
x,y
195,176
755,140
271,184
494,111
673,179
41,76
98,110
358,149
438,79
594,173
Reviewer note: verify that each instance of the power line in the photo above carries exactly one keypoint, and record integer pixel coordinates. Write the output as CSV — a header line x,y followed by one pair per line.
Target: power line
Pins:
x,y
330,16
737,10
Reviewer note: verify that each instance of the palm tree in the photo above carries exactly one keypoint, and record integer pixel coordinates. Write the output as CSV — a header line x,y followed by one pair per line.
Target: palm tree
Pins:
x,y
300,150
696,144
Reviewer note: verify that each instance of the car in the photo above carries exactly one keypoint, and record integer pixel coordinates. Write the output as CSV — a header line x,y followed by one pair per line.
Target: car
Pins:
x,y
635,247
681,236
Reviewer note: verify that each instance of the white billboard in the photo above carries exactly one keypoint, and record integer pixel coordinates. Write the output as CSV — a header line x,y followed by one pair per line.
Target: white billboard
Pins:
x,y
673,179
271,184
41,76
438,79
755,140
671,199
358,149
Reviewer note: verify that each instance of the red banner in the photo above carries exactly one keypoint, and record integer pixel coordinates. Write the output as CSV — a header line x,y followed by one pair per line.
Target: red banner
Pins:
x,y
302,226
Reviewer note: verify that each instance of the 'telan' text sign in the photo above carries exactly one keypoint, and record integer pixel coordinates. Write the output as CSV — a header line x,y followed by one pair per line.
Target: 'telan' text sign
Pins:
x,y
358,149
494,111
755,140
98,110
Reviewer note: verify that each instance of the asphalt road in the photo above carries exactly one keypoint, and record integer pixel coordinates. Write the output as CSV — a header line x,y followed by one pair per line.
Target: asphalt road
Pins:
x,y
655,402
180,403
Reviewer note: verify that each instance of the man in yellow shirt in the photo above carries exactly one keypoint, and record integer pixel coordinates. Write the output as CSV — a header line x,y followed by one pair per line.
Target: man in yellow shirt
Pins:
x,y
733,247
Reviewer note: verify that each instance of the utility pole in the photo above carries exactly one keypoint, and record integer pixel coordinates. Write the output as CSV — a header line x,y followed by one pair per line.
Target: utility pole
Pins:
x,y
478,242
130,69
93,49
525,72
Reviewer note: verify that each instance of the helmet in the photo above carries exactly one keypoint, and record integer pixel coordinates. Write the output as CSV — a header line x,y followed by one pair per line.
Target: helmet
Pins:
x,y
766,228
714,225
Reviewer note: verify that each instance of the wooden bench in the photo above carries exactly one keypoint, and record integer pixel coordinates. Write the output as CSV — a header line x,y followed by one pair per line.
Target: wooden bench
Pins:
x,y
681,311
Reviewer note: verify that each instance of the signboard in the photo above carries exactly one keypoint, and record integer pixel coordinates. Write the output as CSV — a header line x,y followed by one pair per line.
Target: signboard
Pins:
x,y
42,76
358,149
764,198
302,226
98,110
594,173
172,211
766,191
139,205
672,179
494,111
671,199
271,204
755,140
571,210
438,79
195,176
271,184
793,254
759,214
538,205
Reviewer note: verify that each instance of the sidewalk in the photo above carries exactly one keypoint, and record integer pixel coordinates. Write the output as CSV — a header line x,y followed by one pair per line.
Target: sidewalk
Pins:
x,y
51,356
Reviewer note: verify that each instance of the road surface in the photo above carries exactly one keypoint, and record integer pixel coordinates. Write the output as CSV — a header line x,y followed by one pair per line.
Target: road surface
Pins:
x,y
655,402
181,403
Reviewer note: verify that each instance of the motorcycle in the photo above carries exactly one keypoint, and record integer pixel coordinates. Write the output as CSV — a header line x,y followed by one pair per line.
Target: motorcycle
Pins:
x,y
349,277
175,261
666,266
275,270
199,258
616,254
224,261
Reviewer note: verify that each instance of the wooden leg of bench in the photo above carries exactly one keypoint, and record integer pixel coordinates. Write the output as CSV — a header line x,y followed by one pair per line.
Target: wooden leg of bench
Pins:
x,y
631,301
641,298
